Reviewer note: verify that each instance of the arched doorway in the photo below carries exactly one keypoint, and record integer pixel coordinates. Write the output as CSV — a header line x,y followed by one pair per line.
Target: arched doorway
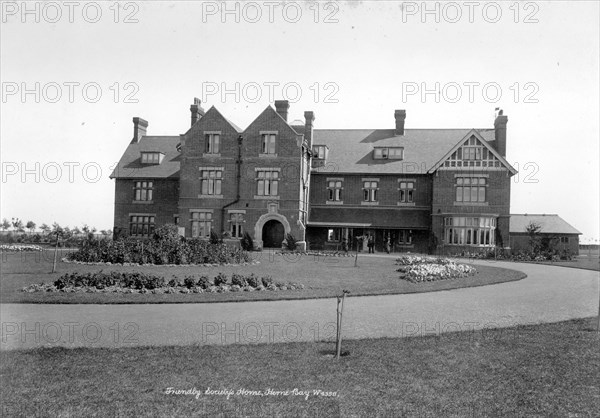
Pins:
x,y
272,234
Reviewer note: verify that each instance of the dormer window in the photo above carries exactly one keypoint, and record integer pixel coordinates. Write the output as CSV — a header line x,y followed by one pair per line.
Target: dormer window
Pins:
x,y
152,157
388,153
320,152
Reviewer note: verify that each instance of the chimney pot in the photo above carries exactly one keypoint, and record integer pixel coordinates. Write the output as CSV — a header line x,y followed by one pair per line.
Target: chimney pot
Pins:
x,y
400,116
500,132
309,117
196,111
282,107
140,127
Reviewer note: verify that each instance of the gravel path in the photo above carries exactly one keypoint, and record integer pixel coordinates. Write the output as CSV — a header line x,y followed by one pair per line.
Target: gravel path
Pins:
x,y
548,294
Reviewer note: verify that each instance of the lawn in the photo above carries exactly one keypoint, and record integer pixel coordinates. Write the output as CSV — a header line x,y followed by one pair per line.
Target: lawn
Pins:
x,y
537,370
321,276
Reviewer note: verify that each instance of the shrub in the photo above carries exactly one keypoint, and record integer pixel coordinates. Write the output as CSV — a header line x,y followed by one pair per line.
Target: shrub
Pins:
x,y
266,281
220,279
246,242
253,280
215,238
204,282
165,247
189,282
238,279
290,242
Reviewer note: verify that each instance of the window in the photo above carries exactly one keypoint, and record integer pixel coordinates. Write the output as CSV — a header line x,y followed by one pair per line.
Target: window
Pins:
x,y
268,144
470,189
334,234
391,153
151,157
236,220
268,182
370,191
212,143
405,236
211,182
471,153
407,189
334,190
478,231
143,191
201,224
320,152
141,225
564,240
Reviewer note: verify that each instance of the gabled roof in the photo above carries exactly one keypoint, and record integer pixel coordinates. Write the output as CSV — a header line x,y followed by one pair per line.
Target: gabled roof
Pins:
x,y
130,164
483,142
350,150
551,224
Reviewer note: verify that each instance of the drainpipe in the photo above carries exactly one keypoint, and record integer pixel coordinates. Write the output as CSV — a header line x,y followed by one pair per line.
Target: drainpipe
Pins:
x,y
238,164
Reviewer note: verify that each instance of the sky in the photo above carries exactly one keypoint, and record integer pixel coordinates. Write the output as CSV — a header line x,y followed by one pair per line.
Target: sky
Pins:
x,y
75,74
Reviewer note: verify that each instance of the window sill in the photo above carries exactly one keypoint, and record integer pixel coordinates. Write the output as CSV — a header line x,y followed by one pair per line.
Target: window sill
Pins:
x,y
143,202
266,197
210,196
334,202
369,203
406,204
211,155
261,155
471,204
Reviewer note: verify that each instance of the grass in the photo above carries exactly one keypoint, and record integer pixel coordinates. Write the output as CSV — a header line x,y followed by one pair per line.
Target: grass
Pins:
x,y
321,276
537,370
587,260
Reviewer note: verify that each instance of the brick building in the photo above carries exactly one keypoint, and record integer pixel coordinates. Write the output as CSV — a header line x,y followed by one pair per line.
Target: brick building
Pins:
x,y
418,189
555,233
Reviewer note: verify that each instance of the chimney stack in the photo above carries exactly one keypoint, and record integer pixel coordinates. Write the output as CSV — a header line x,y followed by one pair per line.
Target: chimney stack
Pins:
x,y
309,116
500,132
139,129
196,110
400,115
282,107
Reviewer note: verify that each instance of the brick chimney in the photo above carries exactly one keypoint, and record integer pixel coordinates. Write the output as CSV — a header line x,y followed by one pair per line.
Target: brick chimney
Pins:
x,y
196,110
282,107
500,132
309,116
400,115
139,129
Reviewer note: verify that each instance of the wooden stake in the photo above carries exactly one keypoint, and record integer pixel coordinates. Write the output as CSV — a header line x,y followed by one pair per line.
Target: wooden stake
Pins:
x,y
339,344
55,253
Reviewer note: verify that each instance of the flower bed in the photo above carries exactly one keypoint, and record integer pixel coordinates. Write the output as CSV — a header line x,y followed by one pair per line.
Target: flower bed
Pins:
x,y
134,282
21,248
419,269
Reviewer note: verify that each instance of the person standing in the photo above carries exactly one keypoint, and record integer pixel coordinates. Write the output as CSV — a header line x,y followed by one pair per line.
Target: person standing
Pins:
x,y
371,244
387,246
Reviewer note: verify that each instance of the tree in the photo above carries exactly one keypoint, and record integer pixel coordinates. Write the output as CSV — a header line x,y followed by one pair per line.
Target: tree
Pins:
x,y
31,226
5,224
534,229
76,231
45,228
17,224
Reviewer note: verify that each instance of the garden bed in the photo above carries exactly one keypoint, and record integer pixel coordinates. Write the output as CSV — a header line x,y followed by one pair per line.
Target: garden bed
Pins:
x,y
417,269
141,283
322,277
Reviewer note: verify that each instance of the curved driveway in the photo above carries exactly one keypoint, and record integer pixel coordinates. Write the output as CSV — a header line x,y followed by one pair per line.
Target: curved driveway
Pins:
x,y
548,294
